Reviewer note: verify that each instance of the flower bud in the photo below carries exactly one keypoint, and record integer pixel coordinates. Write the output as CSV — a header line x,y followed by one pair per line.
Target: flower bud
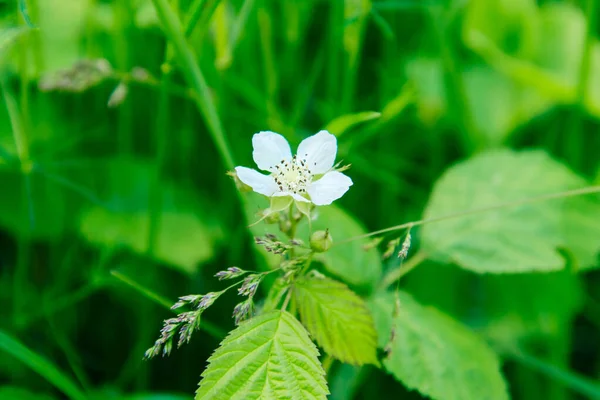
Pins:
x,y
321,241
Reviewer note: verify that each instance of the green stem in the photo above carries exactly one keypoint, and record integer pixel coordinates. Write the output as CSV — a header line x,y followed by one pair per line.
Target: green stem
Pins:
x,y
537,199
403,269
574,144
469,137
195,79
155,202
569,379
125,123
209,327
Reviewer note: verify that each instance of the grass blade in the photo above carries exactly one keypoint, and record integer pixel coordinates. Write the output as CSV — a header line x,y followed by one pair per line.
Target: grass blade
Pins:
x,y
173,29
40,365
206,326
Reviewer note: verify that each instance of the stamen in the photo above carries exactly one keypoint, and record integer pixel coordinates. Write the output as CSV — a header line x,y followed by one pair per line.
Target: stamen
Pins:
x,y
292,175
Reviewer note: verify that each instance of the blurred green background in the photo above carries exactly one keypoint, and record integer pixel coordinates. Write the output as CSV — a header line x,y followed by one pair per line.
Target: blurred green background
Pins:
x,y
114,198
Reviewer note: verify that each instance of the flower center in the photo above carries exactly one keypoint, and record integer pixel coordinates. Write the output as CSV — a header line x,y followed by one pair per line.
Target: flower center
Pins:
x,y
292,176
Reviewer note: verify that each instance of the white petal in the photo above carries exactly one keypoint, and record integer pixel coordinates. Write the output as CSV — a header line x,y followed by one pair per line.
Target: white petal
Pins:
x,y
319,151
330,187
293,195
263,184
269,149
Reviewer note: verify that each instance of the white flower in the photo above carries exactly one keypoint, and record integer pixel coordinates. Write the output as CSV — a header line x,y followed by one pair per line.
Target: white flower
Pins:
x,y
307,177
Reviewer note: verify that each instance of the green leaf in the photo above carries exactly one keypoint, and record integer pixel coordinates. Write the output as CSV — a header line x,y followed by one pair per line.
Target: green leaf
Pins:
x,y
517,238
434,354
343,123
348,336
8,35
512,105
540,47
495,117
186,235
348,261
267,357
40,365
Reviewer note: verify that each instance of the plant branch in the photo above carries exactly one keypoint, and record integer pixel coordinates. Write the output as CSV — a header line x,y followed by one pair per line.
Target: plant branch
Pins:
x,y
531,200
403,269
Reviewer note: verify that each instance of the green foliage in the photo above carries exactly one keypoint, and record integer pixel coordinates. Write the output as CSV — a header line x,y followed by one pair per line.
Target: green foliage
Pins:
x,y
434,354
184,240
517,239
40,365
8,36
541,47
345,122
109,214
350,261
266,357
338,319
17,393
523,306
513,309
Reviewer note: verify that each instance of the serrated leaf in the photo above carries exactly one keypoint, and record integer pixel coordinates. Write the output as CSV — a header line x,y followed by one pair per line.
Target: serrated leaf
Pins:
x,y
343,123
338,319
436,355
516,238
267,357
349,261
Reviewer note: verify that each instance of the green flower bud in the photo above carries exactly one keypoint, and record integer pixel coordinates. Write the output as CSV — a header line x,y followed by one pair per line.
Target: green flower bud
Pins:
x,y
321,241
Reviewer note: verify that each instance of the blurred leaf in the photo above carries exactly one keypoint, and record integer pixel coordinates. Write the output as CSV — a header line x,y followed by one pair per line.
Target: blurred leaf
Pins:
x,y
506,308
323,305
348,260
541,47
40,365
268,357
512,104
434,354
186,235
494,117
19,393
63,24
345,122
427,75
8,35
52,211
511,24
156,396
524,305
517,238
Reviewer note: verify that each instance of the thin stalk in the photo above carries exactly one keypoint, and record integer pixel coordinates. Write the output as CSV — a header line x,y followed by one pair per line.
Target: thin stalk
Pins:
x,y
270,72
195,79
574,144
558,355
537,199
569,379
155,203
125,122
19,121
469,136
404,268
206,326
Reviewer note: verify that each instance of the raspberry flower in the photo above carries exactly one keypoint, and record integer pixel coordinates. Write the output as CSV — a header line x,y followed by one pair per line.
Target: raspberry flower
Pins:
x,y
308,177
